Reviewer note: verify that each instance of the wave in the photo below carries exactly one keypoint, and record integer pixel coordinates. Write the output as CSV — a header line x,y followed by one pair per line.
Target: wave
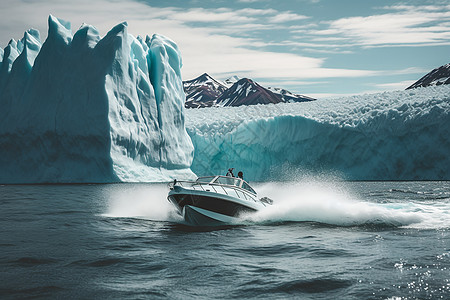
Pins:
x,y
331,203
141,201
33,261
427,195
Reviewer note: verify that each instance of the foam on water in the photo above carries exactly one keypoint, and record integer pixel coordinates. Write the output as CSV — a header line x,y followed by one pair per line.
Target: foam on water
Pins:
x,y
328,203
435,215
333,202
142,201
308,200
55,245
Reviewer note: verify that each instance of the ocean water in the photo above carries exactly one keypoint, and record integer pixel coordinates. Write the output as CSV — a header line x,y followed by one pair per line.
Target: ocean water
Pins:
x,y
321,239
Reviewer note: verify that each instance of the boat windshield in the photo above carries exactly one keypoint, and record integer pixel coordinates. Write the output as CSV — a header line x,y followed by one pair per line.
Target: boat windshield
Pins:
x,y
228,180
205,179
248,187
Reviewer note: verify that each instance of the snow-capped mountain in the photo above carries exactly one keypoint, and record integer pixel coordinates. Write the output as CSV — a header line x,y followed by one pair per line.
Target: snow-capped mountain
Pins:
x,y
289,97
205,91
247,92
231,80
202,91
438,76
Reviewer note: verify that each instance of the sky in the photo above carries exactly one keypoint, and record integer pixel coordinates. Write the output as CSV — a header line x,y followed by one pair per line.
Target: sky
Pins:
x,y
319,48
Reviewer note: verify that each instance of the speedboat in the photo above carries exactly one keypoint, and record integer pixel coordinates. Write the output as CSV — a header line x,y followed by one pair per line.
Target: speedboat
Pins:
x,y
214,200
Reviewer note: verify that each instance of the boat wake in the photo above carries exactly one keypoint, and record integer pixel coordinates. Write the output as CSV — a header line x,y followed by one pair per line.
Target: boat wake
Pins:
x,y
325,202
141,201
329,203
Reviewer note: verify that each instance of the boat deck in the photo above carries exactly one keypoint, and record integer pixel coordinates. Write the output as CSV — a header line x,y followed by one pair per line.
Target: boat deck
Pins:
x,y
225,185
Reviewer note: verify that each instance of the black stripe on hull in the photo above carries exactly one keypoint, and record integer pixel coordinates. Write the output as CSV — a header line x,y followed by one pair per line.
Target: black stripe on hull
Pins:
x,y
216,205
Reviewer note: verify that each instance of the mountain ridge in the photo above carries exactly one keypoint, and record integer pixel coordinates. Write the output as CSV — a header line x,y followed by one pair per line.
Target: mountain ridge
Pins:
x,y
247,92
205,91
438,76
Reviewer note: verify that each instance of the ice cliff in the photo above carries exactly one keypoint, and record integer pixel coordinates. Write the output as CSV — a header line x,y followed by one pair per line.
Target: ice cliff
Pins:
x,y
81,108
403,135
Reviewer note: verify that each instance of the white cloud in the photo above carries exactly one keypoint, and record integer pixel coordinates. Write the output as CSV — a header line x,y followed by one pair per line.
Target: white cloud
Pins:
x,y
304,44
261,12
407,25
394,86
207,15
326,51
331,95
292,82
203,48
286,17
411,70
415,8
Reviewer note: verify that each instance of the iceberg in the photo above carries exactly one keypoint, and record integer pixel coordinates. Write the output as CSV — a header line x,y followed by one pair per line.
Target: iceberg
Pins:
x,y
81,108
85,108
401,135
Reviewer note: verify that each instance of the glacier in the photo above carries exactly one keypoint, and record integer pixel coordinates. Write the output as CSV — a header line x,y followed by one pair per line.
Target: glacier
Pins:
x,y
82,108
401,135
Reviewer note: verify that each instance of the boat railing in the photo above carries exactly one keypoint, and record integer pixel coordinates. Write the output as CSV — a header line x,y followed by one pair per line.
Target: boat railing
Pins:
x,y
217,188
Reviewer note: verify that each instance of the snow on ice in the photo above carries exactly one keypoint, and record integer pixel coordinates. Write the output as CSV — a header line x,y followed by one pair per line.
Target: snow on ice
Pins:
x,y
402,135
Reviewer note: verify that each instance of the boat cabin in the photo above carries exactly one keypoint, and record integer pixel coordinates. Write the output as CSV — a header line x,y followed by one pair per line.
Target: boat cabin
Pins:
x,y
227,181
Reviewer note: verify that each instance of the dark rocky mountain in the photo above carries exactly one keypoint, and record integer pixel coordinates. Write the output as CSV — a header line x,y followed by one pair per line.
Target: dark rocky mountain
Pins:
x,y
438,76
231,80
205,91
287,96
247,92
202,91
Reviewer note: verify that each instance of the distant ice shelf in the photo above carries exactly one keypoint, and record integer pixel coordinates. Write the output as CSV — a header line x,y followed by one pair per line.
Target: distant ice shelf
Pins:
x,y
402,135
81,108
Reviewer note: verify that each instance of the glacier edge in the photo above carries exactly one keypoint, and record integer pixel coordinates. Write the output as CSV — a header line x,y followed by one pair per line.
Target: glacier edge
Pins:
x,y
402,135
87,110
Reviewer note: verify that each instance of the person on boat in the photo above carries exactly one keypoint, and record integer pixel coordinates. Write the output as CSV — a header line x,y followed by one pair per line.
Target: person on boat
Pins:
x,y
230,172
241,175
